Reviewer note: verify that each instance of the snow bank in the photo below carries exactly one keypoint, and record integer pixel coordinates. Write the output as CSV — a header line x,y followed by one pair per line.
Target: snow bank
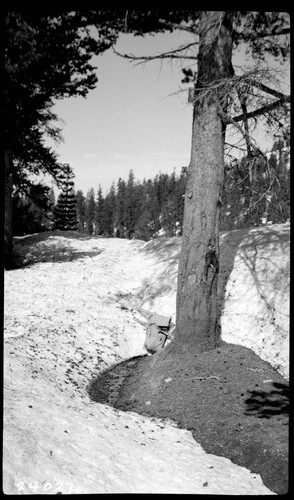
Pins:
x,y
254,285
256,306
70,316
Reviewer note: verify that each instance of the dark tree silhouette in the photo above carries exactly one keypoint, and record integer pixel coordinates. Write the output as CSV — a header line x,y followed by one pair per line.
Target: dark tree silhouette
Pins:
x,y
65,210
47,57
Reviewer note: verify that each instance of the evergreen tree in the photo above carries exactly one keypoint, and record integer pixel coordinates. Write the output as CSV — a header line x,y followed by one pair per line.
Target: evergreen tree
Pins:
x,y
277,197
99,213
169,209
90,212
32,210
146,221
52,199
169,217
130,206
162,190
81,211
65,209
52,203
47,57
251,194
154,206
120,209
256,191
143,227
109,213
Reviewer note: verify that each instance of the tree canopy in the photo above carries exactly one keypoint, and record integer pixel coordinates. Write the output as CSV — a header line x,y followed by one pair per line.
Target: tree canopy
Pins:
x,y
47,57
251,92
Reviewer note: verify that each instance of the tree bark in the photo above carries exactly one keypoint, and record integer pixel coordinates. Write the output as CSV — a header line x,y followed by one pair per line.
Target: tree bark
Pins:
x,y
197,302
8,234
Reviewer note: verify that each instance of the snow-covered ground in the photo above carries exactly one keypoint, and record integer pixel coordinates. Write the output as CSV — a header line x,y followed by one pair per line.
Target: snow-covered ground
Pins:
x,y
73,314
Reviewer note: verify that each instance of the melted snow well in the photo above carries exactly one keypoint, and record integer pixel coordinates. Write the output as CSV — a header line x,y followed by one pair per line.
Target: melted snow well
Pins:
x,y
72,314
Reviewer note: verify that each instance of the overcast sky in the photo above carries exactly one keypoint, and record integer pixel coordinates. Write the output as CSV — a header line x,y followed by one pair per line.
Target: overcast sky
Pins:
x,y
136,118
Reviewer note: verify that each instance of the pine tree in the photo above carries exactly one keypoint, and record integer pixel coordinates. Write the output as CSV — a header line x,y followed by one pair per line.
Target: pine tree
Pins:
x,y
65,211
52,199
99,213
146,221
47,57
90,212
109,213
278,200
32,210
154,206
143,227
162,191
120,205
169,209
130,206
256,191
52,203
81,211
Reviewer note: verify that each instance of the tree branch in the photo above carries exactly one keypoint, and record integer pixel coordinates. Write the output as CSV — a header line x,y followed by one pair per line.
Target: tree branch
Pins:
x,y
267,89
264,109
246,126
234,146
283,31
232,121
172,54
255,36
271,181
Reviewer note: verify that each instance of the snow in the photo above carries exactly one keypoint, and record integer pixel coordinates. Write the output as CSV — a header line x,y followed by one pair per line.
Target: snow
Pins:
x,y
261,279
72,314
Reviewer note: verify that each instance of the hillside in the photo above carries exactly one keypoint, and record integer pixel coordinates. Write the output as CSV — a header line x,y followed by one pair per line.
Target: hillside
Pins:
x,y
70,315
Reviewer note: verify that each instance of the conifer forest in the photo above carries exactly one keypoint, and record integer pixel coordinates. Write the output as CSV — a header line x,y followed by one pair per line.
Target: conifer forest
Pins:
x,y
153,207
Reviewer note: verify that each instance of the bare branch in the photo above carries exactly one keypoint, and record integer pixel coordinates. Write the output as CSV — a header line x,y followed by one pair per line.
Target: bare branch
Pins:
x,y
264,109
242,99
126,21
283,31
266,33
252,205
228,144
229,120
267,89
171,54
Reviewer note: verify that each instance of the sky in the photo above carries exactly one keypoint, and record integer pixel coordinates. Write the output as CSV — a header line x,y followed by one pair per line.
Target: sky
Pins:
x,y
135,118
138,116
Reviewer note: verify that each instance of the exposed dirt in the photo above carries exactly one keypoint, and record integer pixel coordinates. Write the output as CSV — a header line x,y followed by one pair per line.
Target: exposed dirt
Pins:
x,y
235,404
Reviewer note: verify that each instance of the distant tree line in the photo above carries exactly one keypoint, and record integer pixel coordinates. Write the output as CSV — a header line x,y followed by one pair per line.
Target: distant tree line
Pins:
x,y
134,209
256,191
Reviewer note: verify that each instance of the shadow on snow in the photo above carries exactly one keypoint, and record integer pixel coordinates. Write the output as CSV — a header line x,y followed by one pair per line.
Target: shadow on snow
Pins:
x,y
49,246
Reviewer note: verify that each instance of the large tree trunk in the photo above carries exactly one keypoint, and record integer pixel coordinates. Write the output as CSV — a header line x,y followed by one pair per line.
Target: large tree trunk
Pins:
x,y
197,302
8,235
